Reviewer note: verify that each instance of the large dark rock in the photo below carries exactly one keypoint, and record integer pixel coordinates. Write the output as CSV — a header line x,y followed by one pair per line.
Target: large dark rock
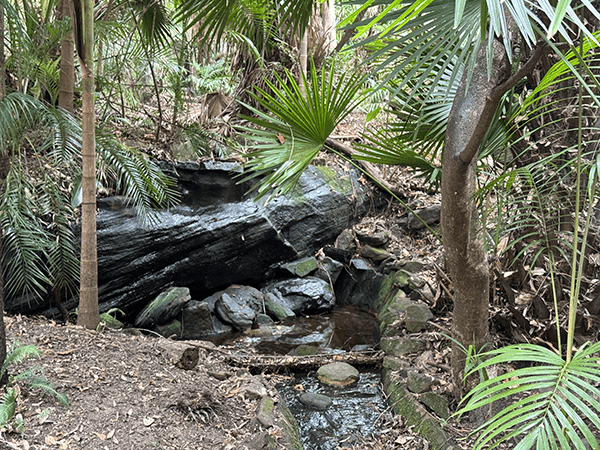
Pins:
x,y
359,285
207,248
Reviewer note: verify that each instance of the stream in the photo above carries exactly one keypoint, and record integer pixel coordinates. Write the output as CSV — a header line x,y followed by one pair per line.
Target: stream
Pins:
x,y
356,409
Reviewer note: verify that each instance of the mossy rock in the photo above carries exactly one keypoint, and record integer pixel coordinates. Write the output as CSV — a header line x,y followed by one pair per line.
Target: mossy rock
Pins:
x,y
164,307
337,374
337,182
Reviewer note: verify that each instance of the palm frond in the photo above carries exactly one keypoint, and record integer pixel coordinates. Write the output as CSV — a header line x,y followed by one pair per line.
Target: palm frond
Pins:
x,y
289,139
132,174
547,400
8,405
17,353
24,238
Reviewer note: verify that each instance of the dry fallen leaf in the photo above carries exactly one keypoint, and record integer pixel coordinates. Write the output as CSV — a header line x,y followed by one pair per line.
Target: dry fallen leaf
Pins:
x,y
101,436
148,421
51,440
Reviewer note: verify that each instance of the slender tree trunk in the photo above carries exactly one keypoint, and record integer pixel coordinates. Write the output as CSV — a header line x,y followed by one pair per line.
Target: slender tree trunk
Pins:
x,y
2,57
466,262
328,14
303,62
88,296
66,81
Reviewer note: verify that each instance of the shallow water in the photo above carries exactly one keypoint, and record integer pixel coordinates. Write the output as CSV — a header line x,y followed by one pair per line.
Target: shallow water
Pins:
x,y
356,410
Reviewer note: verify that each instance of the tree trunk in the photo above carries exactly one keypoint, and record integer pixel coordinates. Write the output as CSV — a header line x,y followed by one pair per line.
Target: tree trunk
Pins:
x,y
88,296
303,62
4,379
472,112
328,14
66,81
2,57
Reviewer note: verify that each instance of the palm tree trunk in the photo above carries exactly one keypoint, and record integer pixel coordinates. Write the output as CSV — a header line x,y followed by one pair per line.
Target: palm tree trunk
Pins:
x,y
2,56
88,296
66,81
328,13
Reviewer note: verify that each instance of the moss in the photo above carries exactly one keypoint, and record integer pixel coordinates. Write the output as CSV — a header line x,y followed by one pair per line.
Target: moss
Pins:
x,y
337,182
290,428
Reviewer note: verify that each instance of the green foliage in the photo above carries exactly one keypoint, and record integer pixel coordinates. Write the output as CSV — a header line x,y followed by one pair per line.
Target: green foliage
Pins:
x,y
289,141
33,378
553,402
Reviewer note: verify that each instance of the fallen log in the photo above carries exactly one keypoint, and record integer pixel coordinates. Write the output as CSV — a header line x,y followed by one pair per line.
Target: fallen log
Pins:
x,y
301,363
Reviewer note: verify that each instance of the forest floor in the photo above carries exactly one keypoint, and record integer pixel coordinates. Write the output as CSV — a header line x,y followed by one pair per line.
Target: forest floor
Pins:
x,y
125,393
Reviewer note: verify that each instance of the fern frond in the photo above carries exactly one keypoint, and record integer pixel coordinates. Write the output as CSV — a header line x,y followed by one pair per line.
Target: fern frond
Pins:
x,y
8,405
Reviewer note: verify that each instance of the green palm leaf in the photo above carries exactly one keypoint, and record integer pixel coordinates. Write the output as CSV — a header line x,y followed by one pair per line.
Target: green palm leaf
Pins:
x,y
289,138
556,401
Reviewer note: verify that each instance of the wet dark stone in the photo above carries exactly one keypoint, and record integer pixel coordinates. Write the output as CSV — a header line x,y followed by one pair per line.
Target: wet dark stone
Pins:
x,y
303,295
234,311
359,285
317,401
196,320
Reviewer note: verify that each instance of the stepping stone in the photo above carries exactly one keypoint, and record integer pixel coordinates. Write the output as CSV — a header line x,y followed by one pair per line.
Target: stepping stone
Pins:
x,y
337,374
316,401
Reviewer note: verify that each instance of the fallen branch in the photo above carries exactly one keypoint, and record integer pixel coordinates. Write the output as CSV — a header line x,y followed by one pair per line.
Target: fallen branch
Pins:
x,y
368,167
275,363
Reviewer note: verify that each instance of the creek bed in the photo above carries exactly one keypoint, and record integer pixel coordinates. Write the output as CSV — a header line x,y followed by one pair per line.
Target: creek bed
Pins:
x,y
357,409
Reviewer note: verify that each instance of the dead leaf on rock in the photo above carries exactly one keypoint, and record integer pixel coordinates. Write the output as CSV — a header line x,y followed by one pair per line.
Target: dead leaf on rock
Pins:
x,y
148,421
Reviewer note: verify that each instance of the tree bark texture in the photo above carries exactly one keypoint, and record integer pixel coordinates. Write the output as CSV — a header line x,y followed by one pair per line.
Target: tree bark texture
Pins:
x,y
2,56
303,61
328,13
88,315
66,80
472,112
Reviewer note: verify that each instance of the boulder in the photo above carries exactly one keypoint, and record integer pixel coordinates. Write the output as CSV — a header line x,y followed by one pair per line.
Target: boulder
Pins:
x,y
164,307
377,239
303,295
209,245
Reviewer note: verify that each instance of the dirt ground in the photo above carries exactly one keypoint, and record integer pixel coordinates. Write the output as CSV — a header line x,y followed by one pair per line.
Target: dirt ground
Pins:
x,y
125,393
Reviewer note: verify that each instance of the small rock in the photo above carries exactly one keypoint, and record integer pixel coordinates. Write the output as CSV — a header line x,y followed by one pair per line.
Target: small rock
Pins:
x,y
374,254
305,350
337,374
301,267
316,401
277,308
345,241
417,316
234,311
254,388
266,411
377,239
167,330
418,382
329,269
400,346
437,403
221,376
394,363
338,254
196,320
263,319
429,215
220,327
164,307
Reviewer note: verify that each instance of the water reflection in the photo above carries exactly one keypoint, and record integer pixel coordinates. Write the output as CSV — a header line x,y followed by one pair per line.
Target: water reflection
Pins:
x,y
356,410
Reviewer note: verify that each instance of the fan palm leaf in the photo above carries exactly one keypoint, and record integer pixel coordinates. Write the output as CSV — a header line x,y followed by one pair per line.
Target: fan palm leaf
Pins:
x,y
289,138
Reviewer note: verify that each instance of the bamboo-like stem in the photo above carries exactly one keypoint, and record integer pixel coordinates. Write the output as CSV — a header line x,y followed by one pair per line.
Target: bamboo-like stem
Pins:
x,y
88,316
